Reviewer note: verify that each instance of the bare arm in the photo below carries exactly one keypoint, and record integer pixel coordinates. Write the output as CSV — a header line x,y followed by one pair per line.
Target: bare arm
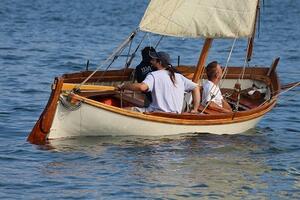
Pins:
x,y
226,105
196,99
213,106
134,87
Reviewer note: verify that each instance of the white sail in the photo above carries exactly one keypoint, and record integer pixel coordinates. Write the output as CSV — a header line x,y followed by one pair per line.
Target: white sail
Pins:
x,y
200,18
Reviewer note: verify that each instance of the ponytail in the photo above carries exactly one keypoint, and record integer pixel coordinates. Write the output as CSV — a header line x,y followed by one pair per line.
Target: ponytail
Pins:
x,y
171,71
165,61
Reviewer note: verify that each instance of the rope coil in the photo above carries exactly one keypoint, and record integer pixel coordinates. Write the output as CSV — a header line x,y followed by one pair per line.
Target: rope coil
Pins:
x,y
68,104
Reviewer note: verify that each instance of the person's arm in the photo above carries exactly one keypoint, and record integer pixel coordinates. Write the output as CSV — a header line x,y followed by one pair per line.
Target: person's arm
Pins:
x,y
213,106
191,86
196,99
134,87
226,105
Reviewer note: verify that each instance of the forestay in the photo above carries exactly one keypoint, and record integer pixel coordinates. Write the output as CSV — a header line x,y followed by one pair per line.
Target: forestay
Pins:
x,y
200,18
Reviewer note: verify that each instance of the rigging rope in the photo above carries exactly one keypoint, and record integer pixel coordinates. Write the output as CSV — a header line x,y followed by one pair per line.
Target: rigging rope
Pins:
x,y
228,59
128,53
284,99
244,69
238,84
133,54
158,42
149,40
132,57
112,57
69,106
275,96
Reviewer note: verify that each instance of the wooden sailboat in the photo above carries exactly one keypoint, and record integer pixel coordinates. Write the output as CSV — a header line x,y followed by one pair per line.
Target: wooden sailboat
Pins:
x,y
87,103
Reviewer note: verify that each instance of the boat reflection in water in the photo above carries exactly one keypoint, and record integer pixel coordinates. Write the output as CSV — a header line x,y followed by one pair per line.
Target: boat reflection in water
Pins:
x,y
179,166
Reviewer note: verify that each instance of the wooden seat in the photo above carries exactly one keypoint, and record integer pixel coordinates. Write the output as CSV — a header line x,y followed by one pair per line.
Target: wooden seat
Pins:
x,y
130,99
246,102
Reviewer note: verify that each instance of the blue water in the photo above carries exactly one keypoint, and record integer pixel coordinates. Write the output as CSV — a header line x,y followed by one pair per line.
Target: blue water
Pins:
x,y
43,39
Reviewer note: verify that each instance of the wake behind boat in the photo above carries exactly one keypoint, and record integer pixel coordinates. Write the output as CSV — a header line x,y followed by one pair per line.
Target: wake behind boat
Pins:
x,y
88,104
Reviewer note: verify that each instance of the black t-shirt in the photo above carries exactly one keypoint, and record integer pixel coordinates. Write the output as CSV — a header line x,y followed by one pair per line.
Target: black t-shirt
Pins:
x,y
141,71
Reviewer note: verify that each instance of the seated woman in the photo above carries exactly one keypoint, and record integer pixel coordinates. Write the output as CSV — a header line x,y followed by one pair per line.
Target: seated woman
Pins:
x,y
211,93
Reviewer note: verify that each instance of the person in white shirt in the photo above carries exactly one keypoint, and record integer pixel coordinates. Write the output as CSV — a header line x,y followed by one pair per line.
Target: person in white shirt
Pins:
x,y
211,93
167,87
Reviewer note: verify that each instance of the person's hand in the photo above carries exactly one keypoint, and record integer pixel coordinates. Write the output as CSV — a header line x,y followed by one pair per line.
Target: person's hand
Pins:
x,y
194,111
120,87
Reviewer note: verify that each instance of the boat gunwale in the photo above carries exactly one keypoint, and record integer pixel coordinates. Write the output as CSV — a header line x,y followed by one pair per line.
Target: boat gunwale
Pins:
x,y
196,119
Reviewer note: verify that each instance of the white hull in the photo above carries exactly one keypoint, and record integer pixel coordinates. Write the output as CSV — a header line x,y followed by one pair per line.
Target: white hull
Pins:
x,y
89,120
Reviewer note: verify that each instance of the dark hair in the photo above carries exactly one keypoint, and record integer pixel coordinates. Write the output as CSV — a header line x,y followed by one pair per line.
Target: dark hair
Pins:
x,y
164,59
211,71
145,53
172,71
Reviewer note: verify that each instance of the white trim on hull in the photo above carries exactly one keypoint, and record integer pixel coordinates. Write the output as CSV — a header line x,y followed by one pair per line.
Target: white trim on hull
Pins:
x,y
92,121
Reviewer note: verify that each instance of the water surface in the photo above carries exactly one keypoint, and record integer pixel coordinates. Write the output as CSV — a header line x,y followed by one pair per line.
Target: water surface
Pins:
x,y
43,39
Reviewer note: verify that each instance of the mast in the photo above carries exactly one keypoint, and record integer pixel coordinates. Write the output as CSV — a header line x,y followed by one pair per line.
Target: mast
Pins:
x,y
201,62
251,39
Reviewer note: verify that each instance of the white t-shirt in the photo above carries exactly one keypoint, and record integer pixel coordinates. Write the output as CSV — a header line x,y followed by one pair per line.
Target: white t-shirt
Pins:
x,y
166,96
211,92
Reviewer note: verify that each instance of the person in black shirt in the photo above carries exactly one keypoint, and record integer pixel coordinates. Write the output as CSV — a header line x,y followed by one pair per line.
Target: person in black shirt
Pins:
x,y
143,69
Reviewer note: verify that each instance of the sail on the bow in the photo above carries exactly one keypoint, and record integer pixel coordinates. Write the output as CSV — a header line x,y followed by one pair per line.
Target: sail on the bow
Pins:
x,y
200,18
